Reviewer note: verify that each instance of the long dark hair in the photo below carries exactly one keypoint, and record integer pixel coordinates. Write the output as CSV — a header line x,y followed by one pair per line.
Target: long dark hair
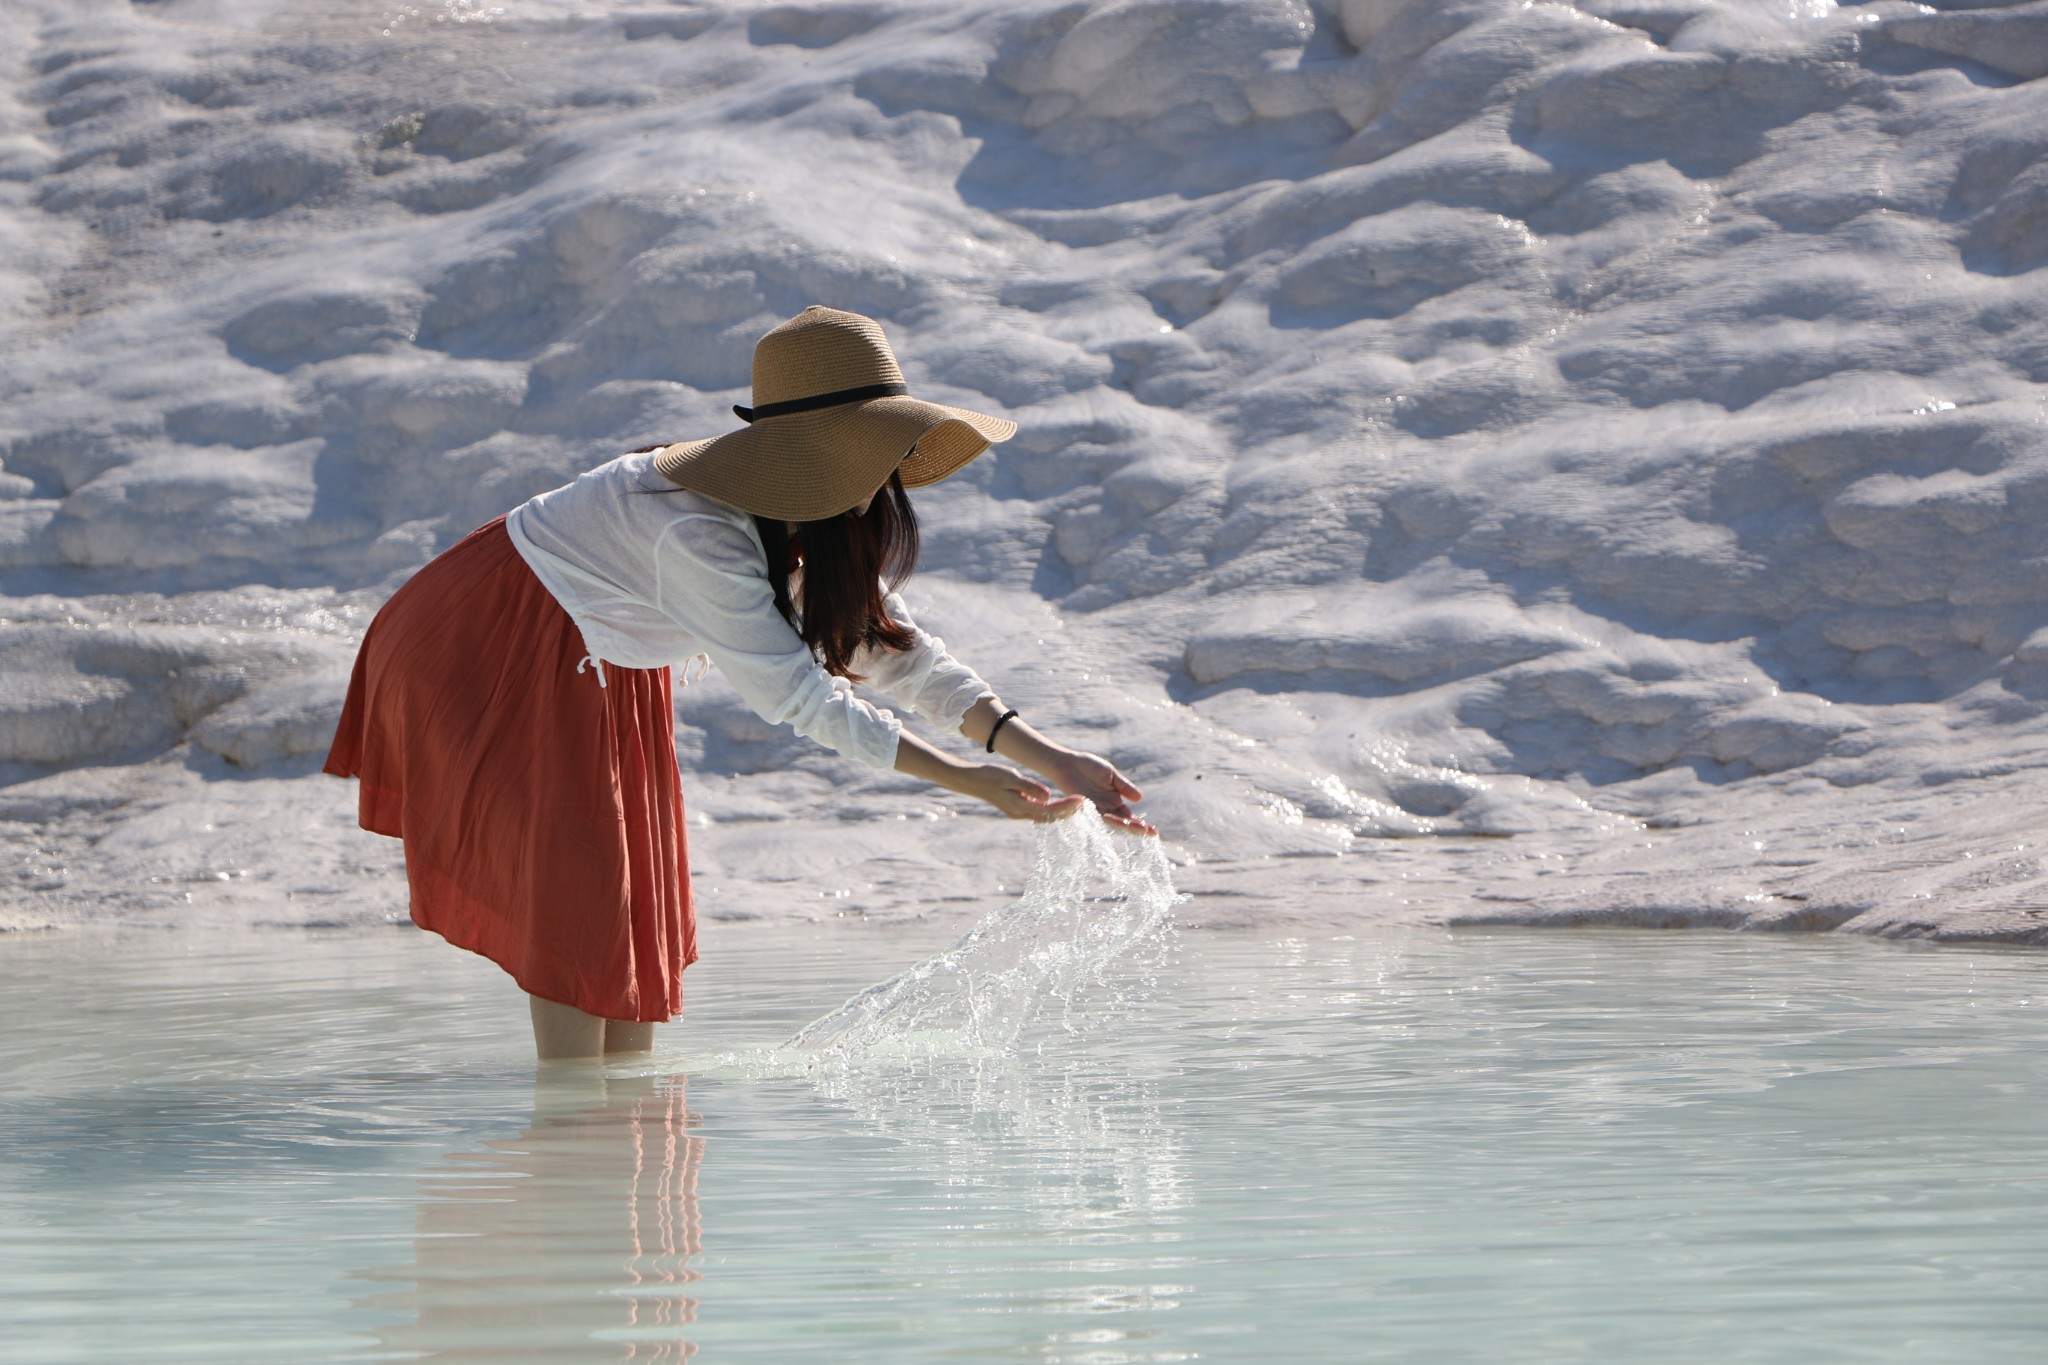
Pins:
x,y
845,560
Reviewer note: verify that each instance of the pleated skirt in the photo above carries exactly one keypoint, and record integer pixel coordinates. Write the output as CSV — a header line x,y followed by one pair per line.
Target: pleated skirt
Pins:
x,y
542,812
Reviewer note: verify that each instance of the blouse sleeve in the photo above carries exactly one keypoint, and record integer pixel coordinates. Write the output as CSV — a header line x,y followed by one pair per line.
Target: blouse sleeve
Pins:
x,y
924,678
712,579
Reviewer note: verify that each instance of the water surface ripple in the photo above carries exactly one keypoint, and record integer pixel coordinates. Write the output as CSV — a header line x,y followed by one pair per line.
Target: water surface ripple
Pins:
x,y
1501,1146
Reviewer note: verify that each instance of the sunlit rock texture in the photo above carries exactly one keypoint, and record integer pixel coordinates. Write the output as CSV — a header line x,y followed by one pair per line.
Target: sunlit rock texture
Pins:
x,y
1479,459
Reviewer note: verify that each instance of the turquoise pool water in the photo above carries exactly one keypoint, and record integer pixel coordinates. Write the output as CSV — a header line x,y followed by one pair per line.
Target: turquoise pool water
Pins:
x,y
1500,1146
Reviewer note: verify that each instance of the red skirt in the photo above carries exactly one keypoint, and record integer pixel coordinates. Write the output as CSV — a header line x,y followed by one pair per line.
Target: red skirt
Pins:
x,y
542,814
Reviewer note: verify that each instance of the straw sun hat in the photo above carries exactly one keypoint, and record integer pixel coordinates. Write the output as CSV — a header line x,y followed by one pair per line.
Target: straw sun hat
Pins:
x,y
832,418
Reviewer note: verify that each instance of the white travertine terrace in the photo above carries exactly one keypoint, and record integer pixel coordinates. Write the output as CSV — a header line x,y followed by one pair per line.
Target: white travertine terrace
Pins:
x,y
1621,426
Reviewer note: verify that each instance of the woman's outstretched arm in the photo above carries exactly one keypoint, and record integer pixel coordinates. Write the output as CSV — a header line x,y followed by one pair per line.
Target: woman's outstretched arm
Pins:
x,y
935,684
1009,791
1076,773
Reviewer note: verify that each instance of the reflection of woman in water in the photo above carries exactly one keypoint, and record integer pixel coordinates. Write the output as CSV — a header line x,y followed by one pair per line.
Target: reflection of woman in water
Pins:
x,y
510,717
582,1230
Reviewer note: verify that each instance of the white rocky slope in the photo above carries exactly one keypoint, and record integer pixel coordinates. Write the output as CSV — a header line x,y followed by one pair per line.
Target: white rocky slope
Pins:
x,y
1621,427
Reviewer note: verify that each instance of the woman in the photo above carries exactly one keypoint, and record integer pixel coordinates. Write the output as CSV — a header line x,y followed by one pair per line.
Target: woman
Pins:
x,y
510,718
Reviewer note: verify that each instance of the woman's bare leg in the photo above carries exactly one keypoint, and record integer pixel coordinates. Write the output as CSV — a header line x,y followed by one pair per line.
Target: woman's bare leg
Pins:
x,y
622,1036
561,1032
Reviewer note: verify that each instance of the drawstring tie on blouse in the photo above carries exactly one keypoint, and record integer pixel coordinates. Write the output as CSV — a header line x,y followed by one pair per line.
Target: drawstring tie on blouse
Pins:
x,y
694,668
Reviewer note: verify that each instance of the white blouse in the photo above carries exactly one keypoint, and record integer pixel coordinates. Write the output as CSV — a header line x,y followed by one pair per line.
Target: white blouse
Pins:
x,y
653,574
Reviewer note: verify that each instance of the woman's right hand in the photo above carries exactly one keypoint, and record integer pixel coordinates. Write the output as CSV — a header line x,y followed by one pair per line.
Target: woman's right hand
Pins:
x,y
1018,796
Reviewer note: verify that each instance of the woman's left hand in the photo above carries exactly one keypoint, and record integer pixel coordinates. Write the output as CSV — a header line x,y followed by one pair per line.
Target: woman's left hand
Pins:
x,y
1097,779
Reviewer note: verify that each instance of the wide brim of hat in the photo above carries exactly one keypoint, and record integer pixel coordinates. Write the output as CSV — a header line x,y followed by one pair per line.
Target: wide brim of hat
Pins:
x,y
811,465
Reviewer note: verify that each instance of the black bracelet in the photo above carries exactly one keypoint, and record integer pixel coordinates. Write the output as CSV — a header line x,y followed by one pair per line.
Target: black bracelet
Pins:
x,y
997,729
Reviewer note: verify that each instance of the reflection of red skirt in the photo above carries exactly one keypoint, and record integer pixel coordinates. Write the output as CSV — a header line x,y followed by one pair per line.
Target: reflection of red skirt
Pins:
x,y
541,813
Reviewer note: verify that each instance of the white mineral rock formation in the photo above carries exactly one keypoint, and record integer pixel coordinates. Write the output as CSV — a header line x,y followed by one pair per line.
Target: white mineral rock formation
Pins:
x,y
1620,426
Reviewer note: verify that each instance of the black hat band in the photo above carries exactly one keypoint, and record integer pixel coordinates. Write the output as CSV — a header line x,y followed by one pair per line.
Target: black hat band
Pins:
x,y
822,400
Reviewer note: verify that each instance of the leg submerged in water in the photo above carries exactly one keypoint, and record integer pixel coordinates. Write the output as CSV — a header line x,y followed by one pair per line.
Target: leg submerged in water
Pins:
x,y
563,1032
622,1035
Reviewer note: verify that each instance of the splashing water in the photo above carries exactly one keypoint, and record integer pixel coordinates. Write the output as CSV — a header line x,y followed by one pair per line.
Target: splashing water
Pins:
x,y
1096,904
